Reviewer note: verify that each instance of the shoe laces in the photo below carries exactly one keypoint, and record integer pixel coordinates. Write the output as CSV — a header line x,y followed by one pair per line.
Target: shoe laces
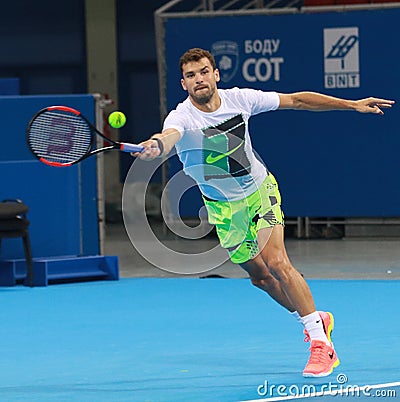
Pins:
x,y
318,352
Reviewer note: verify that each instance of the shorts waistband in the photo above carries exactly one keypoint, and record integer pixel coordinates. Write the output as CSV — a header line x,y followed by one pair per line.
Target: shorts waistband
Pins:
x,y
208,198
212,200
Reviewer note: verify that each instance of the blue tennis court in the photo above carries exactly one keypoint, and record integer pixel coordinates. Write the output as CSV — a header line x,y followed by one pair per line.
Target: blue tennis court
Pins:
x,y
189,339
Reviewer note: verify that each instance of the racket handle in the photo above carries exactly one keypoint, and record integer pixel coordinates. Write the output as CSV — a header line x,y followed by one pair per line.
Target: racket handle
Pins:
x,y
126,147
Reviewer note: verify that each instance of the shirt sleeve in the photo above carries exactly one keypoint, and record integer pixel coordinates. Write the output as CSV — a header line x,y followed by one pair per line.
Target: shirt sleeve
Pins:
x,y
260,101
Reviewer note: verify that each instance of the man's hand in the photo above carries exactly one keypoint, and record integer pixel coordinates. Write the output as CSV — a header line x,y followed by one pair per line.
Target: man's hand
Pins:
x,y
150,152
158,144
373,105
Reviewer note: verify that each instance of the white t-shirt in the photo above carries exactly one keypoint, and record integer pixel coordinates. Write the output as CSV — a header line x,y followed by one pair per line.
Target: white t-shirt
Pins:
x,y
215,148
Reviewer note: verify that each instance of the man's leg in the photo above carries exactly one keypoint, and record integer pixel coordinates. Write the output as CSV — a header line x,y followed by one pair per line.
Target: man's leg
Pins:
x,y
274,255
262,278
323,357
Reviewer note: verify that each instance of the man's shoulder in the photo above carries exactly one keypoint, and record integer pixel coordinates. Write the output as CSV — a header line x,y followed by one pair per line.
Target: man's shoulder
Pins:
x,y
251,95
237,92
237,96
183,105
228,91
181,108
180,116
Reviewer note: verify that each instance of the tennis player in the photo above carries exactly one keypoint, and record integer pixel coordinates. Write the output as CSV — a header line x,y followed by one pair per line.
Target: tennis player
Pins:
x,y
210,133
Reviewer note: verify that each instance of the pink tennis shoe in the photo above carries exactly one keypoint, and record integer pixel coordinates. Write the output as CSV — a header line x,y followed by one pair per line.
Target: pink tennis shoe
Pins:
x,y
323,358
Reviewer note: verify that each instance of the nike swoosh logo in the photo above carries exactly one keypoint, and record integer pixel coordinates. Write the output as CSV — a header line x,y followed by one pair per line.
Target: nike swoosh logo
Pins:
x,y
212,159
330,355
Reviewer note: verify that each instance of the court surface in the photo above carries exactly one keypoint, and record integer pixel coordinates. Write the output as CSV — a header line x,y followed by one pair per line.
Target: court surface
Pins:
x,y
189,339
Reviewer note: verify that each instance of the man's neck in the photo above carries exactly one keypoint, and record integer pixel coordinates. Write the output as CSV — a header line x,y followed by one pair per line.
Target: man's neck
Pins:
x,y
209,107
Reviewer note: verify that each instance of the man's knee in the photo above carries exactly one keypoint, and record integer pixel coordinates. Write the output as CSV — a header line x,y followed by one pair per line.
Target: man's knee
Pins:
x,y
263,282
279,266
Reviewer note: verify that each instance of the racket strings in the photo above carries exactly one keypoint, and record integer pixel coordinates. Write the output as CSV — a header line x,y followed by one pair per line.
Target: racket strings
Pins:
x,y
60,137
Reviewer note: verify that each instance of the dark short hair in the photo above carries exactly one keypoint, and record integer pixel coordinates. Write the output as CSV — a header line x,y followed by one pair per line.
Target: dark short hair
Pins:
x,y
196,54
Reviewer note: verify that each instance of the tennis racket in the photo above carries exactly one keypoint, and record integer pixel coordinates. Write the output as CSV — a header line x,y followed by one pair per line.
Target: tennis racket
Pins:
x,y
62,136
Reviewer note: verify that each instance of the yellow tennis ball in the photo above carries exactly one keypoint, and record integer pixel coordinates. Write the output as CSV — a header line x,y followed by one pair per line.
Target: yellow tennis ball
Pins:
x,y
117,119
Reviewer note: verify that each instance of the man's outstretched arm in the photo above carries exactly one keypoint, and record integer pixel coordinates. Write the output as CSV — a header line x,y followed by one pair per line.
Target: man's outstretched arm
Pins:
x,y
317,102
159,144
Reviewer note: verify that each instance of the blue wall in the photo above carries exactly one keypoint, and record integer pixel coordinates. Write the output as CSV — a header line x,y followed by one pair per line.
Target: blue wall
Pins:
x,y
62,202
334,164
44,46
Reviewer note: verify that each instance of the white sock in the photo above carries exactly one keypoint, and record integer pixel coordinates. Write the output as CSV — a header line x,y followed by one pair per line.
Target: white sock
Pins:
x,y
295,315
313,324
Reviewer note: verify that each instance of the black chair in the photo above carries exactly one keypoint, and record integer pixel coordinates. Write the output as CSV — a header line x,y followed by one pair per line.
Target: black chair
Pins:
x,y
14,223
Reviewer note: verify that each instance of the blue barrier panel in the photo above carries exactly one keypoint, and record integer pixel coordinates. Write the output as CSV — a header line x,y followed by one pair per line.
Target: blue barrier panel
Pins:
x,y
62,201
334,164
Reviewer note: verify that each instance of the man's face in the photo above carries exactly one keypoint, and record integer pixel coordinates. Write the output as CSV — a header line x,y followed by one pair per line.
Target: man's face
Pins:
x,y
200,80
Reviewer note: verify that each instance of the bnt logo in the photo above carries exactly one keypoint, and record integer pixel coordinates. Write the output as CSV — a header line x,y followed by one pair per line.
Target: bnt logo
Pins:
x,y
341,58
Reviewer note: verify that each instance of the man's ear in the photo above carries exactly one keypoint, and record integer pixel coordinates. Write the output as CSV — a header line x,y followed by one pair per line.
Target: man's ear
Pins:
x,y
217,77
183,84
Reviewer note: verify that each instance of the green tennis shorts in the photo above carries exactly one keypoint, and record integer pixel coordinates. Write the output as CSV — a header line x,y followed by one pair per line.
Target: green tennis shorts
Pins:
x,y
237,222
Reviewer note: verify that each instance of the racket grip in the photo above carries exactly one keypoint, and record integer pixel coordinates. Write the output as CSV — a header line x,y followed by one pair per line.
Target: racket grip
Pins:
x,y
126,147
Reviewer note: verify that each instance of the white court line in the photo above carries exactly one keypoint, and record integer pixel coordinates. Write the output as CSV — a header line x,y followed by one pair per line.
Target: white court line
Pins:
x,y
351,389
